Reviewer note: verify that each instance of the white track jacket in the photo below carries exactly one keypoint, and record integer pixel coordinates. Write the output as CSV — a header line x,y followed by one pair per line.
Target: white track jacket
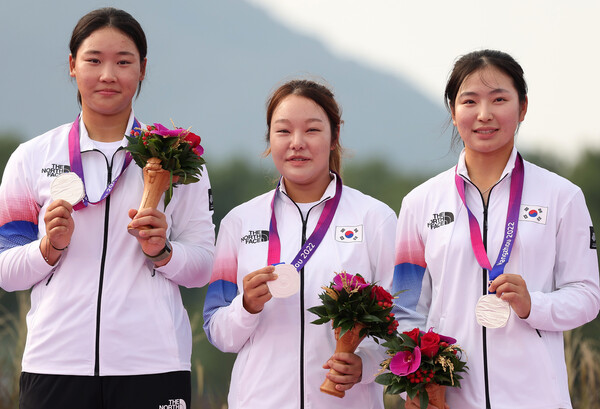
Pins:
x,y
102,309
280,353
521,365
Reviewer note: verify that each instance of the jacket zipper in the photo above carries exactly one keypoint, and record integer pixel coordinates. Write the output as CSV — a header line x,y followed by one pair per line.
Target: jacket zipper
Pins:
x,y
304,222
488,404
304,225
485,283
102,264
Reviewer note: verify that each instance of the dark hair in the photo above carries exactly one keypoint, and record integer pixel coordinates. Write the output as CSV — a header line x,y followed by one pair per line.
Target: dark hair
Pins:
x,y
323,97
475,61
108,17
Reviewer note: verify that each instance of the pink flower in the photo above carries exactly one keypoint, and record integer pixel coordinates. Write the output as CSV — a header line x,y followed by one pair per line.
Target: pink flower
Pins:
x,y
405,362
348,282
199,150
166,132
448,340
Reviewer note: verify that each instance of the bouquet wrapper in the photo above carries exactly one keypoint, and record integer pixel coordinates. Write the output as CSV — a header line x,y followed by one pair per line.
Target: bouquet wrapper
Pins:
x,y
437,396
347,343
156,182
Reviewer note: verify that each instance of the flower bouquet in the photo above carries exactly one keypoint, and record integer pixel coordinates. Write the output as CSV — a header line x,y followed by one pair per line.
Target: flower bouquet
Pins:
x,y
356,309
422,364
168,157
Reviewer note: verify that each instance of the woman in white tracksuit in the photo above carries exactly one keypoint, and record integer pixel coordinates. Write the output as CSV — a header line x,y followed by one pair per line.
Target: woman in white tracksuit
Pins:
x,y
283,358
493,207
107,327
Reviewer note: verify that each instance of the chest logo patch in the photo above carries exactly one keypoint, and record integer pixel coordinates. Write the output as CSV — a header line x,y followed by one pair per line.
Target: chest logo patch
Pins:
x,y
256,236
536,214
56,170
349,234
440,219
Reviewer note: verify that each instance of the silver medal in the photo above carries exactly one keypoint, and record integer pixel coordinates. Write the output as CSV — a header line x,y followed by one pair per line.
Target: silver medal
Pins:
x,y
287,282
492,311
68,187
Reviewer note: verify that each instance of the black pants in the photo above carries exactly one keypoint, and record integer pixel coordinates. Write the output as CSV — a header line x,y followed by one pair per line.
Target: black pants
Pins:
x,y
170,390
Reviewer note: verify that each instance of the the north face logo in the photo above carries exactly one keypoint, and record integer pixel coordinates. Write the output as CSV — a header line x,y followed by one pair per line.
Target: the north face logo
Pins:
x,y
56,170
256,236
440,219
174,404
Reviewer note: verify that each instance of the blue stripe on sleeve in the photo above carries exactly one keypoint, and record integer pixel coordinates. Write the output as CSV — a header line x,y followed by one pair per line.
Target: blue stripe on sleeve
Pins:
x,y
17,233
408,278
219,294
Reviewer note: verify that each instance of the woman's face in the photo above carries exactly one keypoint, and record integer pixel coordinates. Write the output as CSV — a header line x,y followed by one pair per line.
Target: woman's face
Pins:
x,y
107,69
301,141
487,112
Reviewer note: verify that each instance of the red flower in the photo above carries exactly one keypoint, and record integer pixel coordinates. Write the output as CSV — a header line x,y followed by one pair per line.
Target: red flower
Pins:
x,y
192,139
414,335
382,295
430,344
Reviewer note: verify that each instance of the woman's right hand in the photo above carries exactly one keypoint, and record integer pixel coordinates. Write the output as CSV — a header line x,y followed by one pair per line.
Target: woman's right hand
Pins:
x,y
256,291
59,229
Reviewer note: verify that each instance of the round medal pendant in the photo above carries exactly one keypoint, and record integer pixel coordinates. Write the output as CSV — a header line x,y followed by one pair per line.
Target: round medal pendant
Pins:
x,y
68,187
287,282
492,311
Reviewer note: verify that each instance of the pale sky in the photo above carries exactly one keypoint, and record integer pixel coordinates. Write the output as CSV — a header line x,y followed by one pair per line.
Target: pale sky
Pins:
x,y
556,42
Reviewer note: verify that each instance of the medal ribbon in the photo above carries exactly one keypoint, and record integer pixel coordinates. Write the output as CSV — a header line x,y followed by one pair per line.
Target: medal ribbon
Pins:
x,y
77,166
510,229
307,250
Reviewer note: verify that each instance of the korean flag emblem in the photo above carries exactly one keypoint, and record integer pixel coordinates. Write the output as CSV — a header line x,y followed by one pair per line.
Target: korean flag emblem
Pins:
x,y
536,214
349,234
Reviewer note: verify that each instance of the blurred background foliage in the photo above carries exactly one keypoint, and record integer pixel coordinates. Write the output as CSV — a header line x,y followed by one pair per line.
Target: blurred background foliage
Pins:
x,y
238,180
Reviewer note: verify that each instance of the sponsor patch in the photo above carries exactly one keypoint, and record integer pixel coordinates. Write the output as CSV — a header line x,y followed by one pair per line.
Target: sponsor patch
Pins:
x,y
256,236
349,234
211,204
440,219
592,238
536,214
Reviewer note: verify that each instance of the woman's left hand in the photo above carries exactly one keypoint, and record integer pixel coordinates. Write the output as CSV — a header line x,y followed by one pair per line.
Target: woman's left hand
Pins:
x,y
154,236
513,289
349,367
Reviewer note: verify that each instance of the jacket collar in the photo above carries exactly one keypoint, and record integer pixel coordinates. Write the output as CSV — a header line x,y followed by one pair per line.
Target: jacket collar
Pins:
x,y
461,167
87,144
328,194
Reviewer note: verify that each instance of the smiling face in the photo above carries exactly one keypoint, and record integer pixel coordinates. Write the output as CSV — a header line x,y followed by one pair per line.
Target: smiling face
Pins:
x,y
487,112
301,141
107,69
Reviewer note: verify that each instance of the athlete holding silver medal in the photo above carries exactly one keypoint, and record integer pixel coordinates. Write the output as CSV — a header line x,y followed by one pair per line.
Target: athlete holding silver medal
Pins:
x,y
107,327
256,306
508,317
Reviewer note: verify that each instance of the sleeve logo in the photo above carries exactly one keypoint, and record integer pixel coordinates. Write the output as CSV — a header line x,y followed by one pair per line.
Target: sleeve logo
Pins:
x,y
592,238
211,204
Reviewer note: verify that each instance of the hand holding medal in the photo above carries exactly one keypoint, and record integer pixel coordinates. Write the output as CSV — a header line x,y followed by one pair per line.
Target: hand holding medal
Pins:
x,y
59,224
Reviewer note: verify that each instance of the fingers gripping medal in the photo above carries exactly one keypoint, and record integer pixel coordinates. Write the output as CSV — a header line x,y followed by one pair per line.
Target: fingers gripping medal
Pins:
x,y
492,311
287,282
68,187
